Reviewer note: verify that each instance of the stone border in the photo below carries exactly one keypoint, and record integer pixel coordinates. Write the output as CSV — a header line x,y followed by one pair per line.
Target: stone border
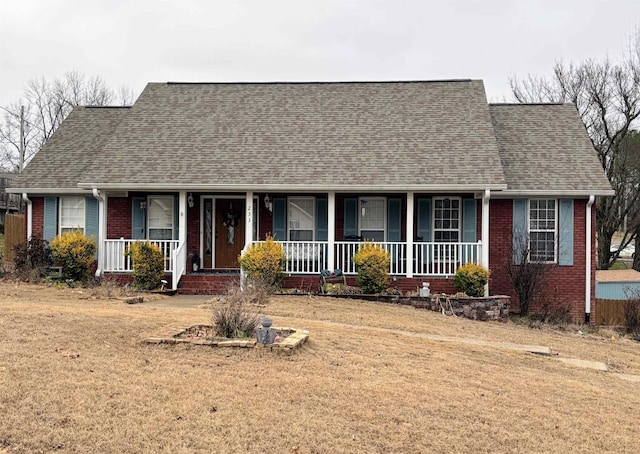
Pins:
x,y
169,335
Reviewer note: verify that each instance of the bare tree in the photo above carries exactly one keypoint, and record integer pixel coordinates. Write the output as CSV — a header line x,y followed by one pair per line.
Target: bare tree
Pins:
x,y
47,104
607,96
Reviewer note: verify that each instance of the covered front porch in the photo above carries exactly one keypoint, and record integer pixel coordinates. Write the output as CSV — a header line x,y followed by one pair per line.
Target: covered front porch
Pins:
x,y
426,234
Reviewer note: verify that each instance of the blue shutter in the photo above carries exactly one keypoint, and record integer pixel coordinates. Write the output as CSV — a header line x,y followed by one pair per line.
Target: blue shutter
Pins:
x,y
394,220
350,217
176,218
519,224
469,217
322,219
91,218
424,220
137,219
469,234
565,232
280,219
50,218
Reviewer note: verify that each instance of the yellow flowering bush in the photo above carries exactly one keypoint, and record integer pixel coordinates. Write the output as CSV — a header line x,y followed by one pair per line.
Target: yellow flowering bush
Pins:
x,y
75,252
471,279
148,265
372,262
264,262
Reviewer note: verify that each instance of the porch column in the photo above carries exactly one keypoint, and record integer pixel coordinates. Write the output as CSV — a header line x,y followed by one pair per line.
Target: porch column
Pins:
x,y
182,221
331,230
409,235
485,233
248,219
102,228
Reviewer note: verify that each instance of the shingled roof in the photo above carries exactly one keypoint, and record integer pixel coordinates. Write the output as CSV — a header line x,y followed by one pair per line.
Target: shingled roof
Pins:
x,y
545,147
431,136
73,148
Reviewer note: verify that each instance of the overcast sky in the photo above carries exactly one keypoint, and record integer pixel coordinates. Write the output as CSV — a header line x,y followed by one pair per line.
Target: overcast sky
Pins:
x,y
132,42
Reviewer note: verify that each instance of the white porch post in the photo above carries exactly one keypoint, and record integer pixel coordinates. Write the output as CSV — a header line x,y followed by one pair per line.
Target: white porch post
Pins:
x,y
485,233
248,219
182,221
331,230
102,228
409,234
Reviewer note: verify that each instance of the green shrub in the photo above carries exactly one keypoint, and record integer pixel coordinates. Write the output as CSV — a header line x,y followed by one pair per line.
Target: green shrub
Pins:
x,y
32,259
264,263
471,279
75,253
148,265
372,263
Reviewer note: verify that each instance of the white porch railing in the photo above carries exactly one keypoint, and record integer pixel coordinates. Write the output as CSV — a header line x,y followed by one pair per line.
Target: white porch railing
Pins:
x,y
179,264
345,250
444,259
116,259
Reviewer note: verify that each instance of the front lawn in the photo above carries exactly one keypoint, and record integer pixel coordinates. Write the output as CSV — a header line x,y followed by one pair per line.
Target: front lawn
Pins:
x,y
75,377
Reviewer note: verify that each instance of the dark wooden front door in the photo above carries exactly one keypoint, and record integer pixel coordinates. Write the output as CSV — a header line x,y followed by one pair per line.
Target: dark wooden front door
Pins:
x,y
229,232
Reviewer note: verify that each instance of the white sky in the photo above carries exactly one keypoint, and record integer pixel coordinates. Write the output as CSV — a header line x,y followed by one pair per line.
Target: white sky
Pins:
x,y
132,42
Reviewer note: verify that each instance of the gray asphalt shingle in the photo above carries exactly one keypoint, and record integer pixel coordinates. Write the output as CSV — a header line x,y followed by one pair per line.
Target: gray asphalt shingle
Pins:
x,y
419,135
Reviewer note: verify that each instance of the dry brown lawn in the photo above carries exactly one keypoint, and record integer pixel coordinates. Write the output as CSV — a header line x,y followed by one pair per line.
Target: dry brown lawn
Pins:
x,y
75,377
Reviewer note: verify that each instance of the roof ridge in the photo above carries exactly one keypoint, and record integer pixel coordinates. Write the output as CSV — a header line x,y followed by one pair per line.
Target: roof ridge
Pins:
x,y
320,82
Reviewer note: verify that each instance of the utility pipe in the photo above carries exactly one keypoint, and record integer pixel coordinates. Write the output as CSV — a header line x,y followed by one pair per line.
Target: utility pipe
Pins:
x,y
486,197
587,284
27,201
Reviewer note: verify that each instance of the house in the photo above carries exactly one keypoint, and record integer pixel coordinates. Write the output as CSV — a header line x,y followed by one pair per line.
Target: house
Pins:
x,y
427,169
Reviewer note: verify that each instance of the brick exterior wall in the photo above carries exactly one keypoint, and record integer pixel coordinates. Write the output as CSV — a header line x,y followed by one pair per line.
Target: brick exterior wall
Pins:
x,y
37,205
118,217
564,285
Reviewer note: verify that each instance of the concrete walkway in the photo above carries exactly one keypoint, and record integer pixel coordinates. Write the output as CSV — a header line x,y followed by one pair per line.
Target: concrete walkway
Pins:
x,y
180,301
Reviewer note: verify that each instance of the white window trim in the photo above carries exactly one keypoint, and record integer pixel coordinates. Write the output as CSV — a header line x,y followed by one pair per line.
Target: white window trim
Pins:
x,y
313,215
82,227
148,212
433,219
555,229
384,220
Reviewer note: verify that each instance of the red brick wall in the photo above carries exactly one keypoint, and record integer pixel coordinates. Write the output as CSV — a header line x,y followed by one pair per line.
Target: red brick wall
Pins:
x,y
37,205
118,217
564,285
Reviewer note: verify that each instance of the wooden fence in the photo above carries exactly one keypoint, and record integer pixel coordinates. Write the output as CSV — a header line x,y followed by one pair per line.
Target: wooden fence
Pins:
x,y
609,312
14,233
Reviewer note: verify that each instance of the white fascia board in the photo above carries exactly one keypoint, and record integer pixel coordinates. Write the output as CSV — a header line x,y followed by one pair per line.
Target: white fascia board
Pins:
x,y
294,187
583,194
45,191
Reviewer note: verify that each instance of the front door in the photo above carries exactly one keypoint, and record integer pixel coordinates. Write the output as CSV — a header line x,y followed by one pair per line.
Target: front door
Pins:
x,y
229,232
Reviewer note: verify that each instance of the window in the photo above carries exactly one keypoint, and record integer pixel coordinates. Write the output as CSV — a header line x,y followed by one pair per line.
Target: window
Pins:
x,y
301,218
542,230
446,220
160,212
372,218
71,213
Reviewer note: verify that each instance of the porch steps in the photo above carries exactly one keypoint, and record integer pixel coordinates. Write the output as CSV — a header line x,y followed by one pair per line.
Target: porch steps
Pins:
x,y
207,283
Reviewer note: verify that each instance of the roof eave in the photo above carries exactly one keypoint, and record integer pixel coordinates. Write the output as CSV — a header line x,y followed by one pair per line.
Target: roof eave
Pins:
x,y
296,187
556,193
